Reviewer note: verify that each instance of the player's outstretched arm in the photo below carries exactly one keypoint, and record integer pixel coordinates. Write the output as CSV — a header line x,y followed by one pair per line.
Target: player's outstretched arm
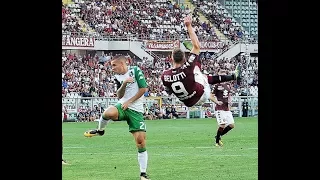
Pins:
x,y
194,39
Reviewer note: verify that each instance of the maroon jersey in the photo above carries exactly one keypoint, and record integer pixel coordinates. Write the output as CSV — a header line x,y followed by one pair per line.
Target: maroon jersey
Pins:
x,y
222,92
181,81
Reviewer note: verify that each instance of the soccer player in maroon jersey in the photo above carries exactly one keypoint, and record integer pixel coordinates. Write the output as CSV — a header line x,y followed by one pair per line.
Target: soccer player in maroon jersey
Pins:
x,y
221,96
185,79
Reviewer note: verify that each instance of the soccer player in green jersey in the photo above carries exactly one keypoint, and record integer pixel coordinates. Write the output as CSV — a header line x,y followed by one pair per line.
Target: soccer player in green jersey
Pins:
x,y
131,85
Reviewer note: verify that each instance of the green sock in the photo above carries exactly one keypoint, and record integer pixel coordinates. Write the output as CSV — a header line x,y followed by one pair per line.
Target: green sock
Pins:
x,y
140,150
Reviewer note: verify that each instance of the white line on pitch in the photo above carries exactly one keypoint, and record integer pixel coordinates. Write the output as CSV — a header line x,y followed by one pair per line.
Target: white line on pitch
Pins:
x,y
164,155
95,147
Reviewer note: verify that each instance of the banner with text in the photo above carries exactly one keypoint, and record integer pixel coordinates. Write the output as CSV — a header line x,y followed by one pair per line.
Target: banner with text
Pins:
x,y
70,41
162,45
204,45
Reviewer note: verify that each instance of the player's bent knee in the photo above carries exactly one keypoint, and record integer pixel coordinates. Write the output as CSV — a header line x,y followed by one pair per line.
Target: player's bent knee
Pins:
x,y
141,145
110,113
140,141
231,125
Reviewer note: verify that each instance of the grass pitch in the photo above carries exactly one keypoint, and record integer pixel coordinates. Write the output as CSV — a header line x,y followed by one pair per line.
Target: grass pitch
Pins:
x,y
180,149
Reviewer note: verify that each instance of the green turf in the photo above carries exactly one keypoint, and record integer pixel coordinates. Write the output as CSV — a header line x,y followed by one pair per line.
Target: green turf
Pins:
x,y
178,150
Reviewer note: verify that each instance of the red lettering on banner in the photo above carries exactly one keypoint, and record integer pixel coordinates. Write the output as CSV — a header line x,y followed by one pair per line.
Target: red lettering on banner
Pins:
x,y
162,45
78,41
211,45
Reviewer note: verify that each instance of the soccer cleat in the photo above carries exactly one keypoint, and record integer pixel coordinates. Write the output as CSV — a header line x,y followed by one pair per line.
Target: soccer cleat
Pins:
x,y
144,176
219,143
64,162
94,132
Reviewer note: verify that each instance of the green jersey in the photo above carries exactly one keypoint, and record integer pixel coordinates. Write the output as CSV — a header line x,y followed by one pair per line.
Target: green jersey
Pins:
x,y
132,89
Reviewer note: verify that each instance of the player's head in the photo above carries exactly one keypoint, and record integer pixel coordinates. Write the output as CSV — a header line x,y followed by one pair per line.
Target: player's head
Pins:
x,y
177,56
119,65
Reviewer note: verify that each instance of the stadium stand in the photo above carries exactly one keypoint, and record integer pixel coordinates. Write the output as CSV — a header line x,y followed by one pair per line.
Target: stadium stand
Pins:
x,y
246,12
233,17
158,19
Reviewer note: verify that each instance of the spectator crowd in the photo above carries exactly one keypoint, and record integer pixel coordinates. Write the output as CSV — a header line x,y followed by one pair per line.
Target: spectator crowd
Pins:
x,y
148,20
91,76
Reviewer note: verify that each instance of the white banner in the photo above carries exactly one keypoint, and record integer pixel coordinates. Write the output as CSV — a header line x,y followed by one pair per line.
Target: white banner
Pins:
x,y
211,45
68,40
162,45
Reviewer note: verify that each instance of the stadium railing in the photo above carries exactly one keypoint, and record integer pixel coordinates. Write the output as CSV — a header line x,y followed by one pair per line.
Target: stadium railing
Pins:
x,y
74,104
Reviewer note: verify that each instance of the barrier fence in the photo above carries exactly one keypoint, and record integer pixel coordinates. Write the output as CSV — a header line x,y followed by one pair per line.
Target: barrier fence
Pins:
x,y
241,105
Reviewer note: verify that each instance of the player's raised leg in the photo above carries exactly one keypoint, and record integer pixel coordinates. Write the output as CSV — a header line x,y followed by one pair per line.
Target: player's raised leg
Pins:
x,y
111,113
224,78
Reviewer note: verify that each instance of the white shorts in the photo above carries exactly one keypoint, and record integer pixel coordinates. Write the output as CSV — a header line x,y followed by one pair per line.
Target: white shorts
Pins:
x,y
224,117
203,79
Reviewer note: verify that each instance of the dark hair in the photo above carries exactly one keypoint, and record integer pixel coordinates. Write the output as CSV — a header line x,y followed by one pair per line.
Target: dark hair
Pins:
x,y
178,55
119,57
